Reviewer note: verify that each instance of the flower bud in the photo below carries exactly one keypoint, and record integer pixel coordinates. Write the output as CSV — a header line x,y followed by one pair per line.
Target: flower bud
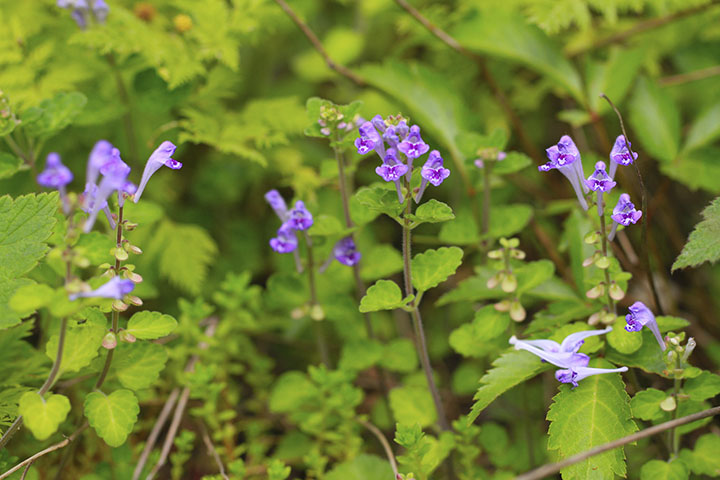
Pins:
x,y
132,248
133,300
691,344
503,306
317,313
119,306
518,254
109,341
126,336
509,283
514,242
616,293
596,292
592,238
119,253
594,319
134,277
495,254
297,313
589,261
602,262
128,226
517,312
493,281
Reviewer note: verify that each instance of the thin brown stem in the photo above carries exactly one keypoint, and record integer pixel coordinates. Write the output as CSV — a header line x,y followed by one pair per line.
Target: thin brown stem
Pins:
x,y
212,450
155,432
344,71
383,441
643,196
552,468
693,76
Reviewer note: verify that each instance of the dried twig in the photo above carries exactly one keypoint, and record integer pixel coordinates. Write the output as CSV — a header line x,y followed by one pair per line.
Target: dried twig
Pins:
x,y
155,432
383,441
212,450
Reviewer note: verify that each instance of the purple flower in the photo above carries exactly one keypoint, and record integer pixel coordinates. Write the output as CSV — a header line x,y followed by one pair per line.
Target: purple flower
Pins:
x,y
101,10
600,181
433,172
56,175
102,153
277,203
392,170
379,123
574,374
81,10
286,240
620,154
565,157
624,214
346,252
89,198
640,316
115,175
161,156
299,218
115,288
369,140
413,146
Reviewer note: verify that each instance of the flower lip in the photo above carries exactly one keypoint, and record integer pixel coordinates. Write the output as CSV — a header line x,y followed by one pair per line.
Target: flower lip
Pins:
x,y
300,217
346,252
433,170
600,181
625,212
55,175
620,153
286,240
391,173
641,316
575,374
413,146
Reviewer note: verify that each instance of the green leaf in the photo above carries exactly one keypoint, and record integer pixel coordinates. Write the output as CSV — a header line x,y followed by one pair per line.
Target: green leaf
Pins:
x,y
8,316
656,120
383,295
52,115
412,404
362,467
614,77
471,340
147,325
380,261
112,416
509,370
290,391
514,162
596,412
660,470
697,169
326,225
43,416
95,246
648,357
704,386
360,354
645,404
399,355
432,211
623,341
9,165
25,224
508,35
29,298
81,346
507,220
533,274
704,130
433,267
138,365
379,199
703,245
704,459
461,231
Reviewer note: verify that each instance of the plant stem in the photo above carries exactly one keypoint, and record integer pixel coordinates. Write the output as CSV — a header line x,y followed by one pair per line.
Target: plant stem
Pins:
x,y
603,234
115,313
417,319
318,324
383,441
677,384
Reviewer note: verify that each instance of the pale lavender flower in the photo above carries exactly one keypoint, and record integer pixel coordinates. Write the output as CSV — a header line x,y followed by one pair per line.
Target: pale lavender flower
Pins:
x,y
101,10
620,154
574,374
115,175
346,252
56,175
89,197
299,218
392,170
640,316
369,140
115,288
565,158
600,181
81,10
286,240
102,152
413,146
433,171
624,214
277,203
161,156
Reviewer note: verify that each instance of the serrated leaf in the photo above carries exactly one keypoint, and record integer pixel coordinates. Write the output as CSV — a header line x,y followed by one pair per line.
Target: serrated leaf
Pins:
x,y
660,470
507,220
432,211
656,120
704,386
147,325
703,245
9,165
432,267
594,413
81,346
645,404
471,339
362,467
704,458
509,370
623,341
533,274
112,416
43,416
379,199
54,114
138,365
412,404
25,224
383,295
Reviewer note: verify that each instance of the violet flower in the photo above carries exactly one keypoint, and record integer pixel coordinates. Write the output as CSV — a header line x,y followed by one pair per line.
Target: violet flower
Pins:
x,y
640,316
81,10
620,154
575,374
413,147
433,172
299,218
392,170
565,157
89,198
624,214
161,156
277,203
600,182
369,140
286,240
115,175
56,175
102,152
115,288
346,252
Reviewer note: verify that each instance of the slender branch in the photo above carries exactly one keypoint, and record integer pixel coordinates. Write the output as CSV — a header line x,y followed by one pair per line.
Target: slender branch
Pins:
x,y
318,324
643,196
383,441
344,71
42,453
552,468
641,27
25,472
443,36
690,76
212,451
155,432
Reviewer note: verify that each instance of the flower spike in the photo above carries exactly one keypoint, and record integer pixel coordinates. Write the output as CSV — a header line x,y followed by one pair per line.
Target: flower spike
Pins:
x,y
161,156
115,288
624,214
640,316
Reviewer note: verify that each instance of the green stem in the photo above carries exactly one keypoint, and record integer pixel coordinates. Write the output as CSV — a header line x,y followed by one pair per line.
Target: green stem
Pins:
x,y
603,234
677,385
319,329
417,318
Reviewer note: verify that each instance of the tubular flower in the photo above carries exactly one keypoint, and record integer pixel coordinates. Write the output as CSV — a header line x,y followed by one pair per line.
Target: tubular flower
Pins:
x,y
299,218
56,175
624,214
115,288
433,172
115,175
620,154
369,140
392,170
161,156
102,153
89,201
286,240
600,181
277,203
640,316
575,374
565,157
346,252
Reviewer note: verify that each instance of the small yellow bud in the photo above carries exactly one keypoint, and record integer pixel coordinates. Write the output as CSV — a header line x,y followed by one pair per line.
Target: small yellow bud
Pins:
x,y
182,23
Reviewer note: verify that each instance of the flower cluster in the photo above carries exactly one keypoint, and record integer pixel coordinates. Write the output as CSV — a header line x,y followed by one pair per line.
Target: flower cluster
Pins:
x,y
398,145
296,219
82,11
574,365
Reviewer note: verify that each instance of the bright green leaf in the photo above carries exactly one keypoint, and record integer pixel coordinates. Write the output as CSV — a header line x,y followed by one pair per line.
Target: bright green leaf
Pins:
x,y
81,346
703,245
412,404
360,354
705,129
433,267
532,274
704,459
362,467
432,211
379,199
289,391
43,416
704,386
112,416
52,115
622,340
660,470
645,404
399,355
29,298
656,120
380,261
9,165
138,365
383,295
507,220
148,325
